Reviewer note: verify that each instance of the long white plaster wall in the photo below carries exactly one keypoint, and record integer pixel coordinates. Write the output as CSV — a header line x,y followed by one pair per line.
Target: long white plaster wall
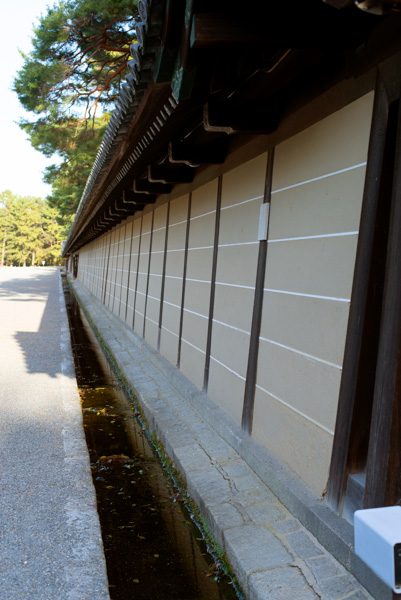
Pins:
x,y
154,272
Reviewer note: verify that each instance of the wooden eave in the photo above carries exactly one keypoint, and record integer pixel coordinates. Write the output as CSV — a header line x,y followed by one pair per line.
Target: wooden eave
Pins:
x,y
203,78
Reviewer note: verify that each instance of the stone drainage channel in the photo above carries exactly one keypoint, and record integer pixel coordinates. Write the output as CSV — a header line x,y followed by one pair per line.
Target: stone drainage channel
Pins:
x,y
152,544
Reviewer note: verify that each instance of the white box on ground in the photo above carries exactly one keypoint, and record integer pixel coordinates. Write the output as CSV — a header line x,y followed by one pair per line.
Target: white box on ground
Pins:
x,y
378,542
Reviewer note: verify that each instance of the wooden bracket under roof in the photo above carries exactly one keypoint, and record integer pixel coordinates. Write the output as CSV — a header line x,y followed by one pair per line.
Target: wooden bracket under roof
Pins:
x,y
171,174
212,153
149,187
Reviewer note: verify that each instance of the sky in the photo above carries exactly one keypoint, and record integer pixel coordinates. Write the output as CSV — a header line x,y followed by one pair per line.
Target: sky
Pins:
x,y
21,166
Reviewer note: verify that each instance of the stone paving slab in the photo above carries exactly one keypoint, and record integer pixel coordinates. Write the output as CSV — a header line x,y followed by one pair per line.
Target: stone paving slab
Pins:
x,y
50,541
272,554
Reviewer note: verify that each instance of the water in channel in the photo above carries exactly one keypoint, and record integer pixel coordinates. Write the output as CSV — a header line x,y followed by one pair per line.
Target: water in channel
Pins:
x,y
153,548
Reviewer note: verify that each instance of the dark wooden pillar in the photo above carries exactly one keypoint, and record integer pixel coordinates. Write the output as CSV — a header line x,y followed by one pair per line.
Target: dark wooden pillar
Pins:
x,y
383,476
184,280
251,374
213,285
354,405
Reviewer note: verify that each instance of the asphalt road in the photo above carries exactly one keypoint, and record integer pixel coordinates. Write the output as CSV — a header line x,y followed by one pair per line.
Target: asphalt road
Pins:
x,y
50,543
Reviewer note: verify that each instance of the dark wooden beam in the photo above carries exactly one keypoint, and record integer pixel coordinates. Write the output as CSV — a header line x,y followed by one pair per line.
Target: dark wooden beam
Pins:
x,y
213,285
348,411
250,119
383,485
114,213
197,154
134,198
252,367
105,219
165,174
221,30
149,187
339,3
128,209
294,25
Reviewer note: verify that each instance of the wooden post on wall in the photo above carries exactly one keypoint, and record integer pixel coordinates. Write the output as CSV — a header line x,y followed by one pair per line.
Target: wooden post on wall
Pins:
x,y
350,416
251,374
184,278
213,285
137,269
163,278
107,273
129,271
148,275
383,485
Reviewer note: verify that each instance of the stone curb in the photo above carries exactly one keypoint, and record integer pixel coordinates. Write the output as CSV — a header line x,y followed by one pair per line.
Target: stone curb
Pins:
x,y
85,569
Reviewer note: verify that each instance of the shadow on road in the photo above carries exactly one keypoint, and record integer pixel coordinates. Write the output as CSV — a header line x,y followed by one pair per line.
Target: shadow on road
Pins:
x,y
41,348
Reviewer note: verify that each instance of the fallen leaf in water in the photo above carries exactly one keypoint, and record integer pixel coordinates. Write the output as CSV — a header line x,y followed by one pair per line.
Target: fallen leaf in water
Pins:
x,y
113,458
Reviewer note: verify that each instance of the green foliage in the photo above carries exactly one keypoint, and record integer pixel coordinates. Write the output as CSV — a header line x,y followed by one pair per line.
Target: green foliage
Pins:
x,y
30,231
80,52
78,61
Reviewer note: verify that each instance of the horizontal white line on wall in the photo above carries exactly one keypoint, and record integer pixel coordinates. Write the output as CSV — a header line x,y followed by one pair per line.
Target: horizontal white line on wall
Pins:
x,y
178,223
235,285
227,368
183,249
211,212
191,312
173,277
193,346
298,412
305,354
201,248
171,304
207,281
169,331
163,228
152,321
286,292
314,237
295,185
198,280
231,327
153,298
243,202
254,243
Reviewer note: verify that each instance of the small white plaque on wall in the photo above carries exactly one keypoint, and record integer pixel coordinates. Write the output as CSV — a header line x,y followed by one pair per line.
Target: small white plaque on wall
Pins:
x,y
263,221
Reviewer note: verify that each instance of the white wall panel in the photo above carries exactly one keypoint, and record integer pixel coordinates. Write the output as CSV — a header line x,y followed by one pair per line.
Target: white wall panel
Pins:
x,y
317,191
